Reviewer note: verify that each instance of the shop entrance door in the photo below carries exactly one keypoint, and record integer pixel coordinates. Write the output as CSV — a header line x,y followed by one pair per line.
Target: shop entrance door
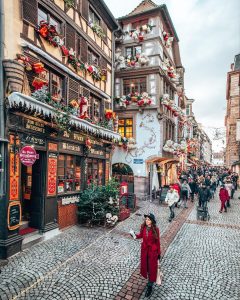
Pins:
x,y
33,193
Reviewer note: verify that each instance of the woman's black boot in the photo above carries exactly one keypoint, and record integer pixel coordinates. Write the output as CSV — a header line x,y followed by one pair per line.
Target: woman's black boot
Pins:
x,y
148,291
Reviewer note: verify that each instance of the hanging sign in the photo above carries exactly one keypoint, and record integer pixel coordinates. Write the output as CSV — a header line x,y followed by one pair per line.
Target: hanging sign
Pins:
x,y
28,156
52,174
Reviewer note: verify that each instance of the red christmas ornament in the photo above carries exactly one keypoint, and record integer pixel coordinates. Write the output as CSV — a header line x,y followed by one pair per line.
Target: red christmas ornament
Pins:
x,y
140,37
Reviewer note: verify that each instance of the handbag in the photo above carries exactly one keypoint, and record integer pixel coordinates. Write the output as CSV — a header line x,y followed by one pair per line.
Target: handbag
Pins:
x,y
159,275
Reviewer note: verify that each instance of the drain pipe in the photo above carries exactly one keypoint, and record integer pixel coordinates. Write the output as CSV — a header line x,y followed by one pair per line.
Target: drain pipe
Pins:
x,y
3,140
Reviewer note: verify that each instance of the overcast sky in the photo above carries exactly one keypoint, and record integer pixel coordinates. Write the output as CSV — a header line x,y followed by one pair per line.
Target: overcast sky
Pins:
x,y
209,34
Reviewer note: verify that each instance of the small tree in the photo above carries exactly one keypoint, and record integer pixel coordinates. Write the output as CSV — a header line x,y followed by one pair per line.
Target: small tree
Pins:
x,y
96,201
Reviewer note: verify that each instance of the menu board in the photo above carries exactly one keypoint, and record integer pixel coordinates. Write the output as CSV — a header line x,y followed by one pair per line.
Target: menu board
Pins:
x,y
14,215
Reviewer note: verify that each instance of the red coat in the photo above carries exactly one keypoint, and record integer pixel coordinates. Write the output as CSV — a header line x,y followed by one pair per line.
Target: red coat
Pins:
x,y
150,249
223,195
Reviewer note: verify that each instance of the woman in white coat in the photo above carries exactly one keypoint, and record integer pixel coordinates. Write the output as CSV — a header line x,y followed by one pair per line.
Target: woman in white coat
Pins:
x,y
172,198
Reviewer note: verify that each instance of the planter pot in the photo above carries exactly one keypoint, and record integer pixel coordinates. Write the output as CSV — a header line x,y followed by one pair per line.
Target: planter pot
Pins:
x,y
134,99
14,72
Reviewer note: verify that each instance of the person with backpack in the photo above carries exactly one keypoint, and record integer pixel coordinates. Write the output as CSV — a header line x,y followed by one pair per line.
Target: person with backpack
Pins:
x,y
185,192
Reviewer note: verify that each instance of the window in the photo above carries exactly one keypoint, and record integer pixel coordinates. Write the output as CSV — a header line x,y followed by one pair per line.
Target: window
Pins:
x,y
188,110
69,173
55,84
125,127
134,85
44,16
137,24
133,51
94,109
93,17
95,172
93,58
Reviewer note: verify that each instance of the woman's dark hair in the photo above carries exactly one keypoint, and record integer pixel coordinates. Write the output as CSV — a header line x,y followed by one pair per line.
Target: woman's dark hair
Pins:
x,y
154,228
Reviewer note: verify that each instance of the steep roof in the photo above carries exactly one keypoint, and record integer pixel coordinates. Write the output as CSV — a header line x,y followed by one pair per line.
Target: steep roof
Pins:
x,y
142,7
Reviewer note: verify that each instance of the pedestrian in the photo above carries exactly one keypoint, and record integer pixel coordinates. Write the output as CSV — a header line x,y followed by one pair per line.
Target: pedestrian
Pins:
x,y
185,192
204,196
229,187
223,196
193,187
150,251
172,198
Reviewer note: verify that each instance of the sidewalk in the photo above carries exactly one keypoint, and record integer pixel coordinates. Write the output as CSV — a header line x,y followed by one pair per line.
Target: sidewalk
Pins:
x,y
81,263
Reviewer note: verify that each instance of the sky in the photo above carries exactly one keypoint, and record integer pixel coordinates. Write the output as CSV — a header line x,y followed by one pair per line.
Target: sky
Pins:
x,y
209,34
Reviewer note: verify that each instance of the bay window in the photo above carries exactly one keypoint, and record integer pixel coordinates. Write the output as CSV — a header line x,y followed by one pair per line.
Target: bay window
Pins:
x,y
134,85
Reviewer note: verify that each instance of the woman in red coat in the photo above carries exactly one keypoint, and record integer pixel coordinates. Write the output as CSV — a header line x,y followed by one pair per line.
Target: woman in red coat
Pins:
x,y
224,197
150,250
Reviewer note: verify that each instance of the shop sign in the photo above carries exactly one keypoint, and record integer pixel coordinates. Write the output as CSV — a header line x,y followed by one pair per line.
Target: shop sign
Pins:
x,y
70,147
28,156
34,140
70,199
52,174
14,215
75,136
97,152
14,166
34,126
138,161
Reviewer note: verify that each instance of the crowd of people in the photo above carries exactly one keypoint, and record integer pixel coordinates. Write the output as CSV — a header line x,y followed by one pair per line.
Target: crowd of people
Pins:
x,y
202,184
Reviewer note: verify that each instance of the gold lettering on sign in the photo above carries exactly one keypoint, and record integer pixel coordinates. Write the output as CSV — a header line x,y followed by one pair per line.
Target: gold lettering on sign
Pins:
x,y
35,126
97,152
78,137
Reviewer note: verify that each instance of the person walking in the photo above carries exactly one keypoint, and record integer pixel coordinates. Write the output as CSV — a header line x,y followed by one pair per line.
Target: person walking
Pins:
x,y
223,196
172,198
150,250
193,186
204,196
185,192
229,187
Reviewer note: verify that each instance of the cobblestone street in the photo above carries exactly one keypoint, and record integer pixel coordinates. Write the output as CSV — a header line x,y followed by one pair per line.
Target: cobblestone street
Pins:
x,y
201,260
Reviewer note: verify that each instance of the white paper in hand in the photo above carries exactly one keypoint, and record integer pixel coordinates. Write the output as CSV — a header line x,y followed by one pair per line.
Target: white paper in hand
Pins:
x,y
132,234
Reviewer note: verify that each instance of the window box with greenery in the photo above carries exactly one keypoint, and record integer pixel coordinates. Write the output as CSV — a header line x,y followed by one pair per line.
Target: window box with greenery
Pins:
x,y
94,23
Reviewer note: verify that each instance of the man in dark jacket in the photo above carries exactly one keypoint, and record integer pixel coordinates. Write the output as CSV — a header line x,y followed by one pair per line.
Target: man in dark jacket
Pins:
x,y
204,196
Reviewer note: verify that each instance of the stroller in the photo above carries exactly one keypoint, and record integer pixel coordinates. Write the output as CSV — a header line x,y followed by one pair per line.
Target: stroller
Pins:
x,y
202,213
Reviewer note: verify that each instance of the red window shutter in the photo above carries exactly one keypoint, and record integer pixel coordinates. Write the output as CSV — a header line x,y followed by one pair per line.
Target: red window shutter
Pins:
x,y
84,50
70,37
29,11
85,9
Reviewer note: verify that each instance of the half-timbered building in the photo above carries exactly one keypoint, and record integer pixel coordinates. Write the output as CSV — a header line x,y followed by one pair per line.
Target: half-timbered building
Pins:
x,y
58,122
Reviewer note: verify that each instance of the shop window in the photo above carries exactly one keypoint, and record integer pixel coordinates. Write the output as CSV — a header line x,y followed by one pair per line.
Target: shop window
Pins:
x,y
69,173
133,51
93,17
95,172
55,84
93,58
45,16
134,85
125,127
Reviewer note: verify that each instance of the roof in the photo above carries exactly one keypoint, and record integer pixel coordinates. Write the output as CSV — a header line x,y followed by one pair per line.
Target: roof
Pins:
x,y
237,63
142,7
148,6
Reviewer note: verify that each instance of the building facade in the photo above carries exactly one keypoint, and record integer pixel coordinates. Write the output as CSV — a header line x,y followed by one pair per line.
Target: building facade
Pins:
x,y
232,119
58,122
149,99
